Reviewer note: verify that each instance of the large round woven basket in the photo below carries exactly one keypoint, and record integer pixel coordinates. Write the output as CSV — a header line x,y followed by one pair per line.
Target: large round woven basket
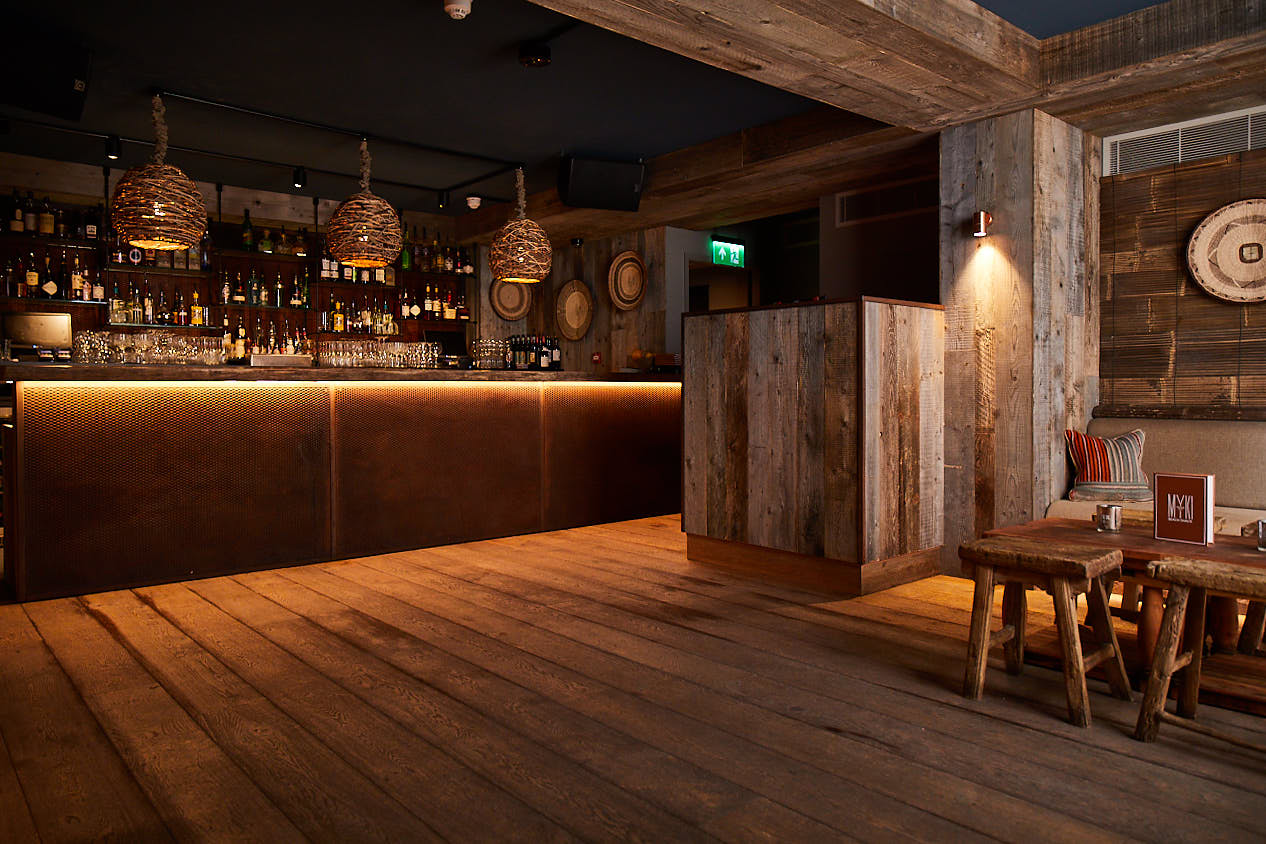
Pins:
x,y
364,231
521,253
156,206
509,300
626,280
573,309
1227,252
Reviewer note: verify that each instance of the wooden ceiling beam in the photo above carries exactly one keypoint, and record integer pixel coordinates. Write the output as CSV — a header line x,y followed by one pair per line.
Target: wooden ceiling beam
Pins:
x,y
905,62
931,64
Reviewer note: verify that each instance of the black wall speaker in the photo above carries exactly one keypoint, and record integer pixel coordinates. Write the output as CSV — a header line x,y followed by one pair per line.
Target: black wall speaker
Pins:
x,y
594,183
47,75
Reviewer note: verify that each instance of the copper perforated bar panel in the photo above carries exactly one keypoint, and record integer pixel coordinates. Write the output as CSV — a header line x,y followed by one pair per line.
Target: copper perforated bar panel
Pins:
x,y
432,463
612,452
130,483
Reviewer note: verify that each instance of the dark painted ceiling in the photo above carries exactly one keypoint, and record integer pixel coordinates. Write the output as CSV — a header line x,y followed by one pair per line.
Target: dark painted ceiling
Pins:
x,y
1044,18
401,69
395,68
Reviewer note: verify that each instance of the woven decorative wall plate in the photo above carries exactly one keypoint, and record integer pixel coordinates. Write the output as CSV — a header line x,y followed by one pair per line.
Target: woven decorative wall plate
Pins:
x,y
510,300
573,309
627,280
1227,252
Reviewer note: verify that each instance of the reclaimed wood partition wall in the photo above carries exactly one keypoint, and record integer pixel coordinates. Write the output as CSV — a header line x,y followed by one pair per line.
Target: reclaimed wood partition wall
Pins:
x,y
1168,347
813,433
1021,315
614,334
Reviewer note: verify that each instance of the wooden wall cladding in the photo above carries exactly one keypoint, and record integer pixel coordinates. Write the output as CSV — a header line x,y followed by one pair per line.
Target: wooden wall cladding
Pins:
x,y
613,333
903,411
1021,308
775,402
1166,343
122,484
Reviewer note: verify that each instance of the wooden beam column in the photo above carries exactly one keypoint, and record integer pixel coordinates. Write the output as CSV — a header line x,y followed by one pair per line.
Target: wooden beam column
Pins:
x,y
1021,315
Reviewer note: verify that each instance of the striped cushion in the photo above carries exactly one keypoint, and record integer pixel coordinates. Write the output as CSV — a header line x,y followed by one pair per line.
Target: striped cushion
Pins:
x,y
1108,468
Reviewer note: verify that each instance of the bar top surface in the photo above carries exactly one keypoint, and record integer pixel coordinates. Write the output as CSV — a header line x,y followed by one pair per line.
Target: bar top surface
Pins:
x,y
145,372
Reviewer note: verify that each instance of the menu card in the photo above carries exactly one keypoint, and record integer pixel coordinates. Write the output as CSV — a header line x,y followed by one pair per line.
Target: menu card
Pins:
x,y
1184,508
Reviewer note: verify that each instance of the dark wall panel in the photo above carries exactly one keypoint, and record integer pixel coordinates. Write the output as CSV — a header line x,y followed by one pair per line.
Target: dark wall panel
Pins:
x,y
427,464
610,452
129,483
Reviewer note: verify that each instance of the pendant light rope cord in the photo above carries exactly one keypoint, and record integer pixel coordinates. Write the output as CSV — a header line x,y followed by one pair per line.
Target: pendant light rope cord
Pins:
x,y
159,113
520,193
365,162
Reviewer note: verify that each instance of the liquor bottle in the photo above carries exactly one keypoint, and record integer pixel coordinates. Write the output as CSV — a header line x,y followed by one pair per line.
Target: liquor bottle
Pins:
x,y
92,223
48,284
296,293
281,245
118,255
349,273
239,344
463,312
46,218
136,313
257,338
415,308
147,305
239,291
546,357
59,222
30,214
248,232
98,285
306,297
204,249
117,305
76,279
301,243
196,315
254,292
266,243
279,293
448,259
340,319
556,354
16,224
226,339
180,312
404,304
32,276
406,252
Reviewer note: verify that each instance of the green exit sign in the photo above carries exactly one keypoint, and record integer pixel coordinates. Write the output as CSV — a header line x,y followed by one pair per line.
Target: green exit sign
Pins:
x,y
727,253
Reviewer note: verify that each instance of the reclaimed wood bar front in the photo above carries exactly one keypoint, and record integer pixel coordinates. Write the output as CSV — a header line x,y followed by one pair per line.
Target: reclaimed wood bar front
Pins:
x,y
812,434
119,476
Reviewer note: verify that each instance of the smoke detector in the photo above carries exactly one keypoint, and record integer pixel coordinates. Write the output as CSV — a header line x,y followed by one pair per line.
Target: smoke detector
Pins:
x,y
473,201
457,9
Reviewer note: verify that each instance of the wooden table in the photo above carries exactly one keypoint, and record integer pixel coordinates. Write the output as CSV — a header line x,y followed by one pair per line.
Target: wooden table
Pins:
x,y
1138,548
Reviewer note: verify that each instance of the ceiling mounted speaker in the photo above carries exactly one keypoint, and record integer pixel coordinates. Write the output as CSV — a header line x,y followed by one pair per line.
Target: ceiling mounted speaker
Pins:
x,y
596,183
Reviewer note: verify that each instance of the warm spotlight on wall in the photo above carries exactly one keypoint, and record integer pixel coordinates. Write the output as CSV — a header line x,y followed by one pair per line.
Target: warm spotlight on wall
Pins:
x,y
983,221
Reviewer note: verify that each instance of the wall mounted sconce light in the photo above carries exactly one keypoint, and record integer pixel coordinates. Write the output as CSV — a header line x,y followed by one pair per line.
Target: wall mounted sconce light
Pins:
x,y
983,221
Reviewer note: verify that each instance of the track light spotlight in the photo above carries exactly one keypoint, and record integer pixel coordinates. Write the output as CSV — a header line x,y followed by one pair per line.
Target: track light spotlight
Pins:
x,y
114,147
300,178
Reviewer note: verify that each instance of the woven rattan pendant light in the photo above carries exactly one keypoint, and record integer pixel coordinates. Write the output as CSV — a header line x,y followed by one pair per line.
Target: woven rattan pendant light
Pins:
x,y
521,252
364,230
156,206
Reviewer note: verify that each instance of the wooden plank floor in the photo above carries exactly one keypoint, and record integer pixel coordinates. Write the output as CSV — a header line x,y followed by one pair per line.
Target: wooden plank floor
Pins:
x,y
585,684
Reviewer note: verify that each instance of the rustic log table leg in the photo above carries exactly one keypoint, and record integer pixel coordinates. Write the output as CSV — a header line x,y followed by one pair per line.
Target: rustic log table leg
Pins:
x,y
1070,645
1014,612
1223,623
1149,623
1254,625
1161,671
1193,642
978,642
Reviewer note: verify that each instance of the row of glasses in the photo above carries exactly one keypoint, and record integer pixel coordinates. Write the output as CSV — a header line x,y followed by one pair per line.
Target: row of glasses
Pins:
x,y
164,348
378,354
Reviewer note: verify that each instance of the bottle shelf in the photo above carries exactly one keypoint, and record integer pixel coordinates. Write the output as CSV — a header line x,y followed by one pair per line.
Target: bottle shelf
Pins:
x,y
46,241
247,306
163,326
141,268
263,256
42,301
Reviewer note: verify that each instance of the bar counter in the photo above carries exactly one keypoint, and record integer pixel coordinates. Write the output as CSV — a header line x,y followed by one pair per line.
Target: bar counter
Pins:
x,y
119,476
151,372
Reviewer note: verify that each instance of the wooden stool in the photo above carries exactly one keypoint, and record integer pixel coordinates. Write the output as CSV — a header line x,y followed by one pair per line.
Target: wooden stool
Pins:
x,y
1064,571
1190,582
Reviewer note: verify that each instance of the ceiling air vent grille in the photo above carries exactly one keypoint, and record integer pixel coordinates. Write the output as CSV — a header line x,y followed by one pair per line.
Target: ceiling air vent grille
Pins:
x,y
1178,142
